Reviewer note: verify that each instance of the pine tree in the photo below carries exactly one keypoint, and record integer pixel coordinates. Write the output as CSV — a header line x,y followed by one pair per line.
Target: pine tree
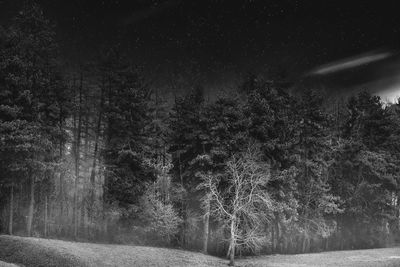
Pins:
x,y
364,173
187,141
33,100
126,114
312,149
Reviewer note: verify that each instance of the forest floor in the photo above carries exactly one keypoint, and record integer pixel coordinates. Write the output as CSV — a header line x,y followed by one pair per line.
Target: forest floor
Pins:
x,y
47,252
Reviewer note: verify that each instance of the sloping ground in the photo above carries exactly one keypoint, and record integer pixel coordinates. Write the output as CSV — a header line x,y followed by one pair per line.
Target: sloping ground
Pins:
x,y
5,264
46,252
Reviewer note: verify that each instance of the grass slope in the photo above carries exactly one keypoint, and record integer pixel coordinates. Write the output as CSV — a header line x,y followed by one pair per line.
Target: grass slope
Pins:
x,y
5,264
47,252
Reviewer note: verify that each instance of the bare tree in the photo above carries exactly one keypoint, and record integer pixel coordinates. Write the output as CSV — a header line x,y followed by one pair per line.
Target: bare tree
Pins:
x,y
240,200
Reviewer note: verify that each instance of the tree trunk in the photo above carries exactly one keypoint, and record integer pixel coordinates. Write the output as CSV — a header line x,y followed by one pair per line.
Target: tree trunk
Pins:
x,y
61,202
327,244
45,216
94,165
109,135
183,206
31,206
10,221
86,123
83,214
277,235
206,226
398,209
232,244
273,244
77,157
304,245
61,180
75,210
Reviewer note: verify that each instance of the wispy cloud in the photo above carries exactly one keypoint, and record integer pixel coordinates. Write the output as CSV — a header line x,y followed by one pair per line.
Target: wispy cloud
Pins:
x,y
349,63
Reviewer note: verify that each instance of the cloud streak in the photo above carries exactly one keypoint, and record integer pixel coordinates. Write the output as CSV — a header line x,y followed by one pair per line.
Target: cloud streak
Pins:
x,y
349,63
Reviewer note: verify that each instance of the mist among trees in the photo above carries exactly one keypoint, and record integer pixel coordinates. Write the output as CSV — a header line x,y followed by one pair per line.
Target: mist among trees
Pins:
x,y
97,153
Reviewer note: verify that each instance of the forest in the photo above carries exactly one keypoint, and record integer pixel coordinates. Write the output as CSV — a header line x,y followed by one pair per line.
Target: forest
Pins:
x,y
96,153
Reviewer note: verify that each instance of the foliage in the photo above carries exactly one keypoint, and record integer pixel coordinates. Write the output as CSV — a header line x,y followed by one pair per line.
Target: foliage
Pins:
x,y
161,219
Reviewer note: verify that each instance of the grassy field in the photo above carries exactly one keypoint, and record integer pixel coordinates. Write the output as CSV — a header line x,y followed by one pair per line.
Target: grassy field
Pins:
x,y
384,257
46,252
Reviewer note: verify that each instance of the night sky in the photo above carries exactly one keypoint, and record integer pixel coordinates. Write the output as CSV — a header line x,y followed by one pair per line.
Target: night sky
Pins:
x,y
223,40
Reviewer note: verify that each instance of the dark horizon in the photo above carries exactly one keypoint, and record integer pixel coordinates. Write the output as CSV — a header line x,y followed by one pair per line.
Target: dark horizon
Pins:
x,y
222,41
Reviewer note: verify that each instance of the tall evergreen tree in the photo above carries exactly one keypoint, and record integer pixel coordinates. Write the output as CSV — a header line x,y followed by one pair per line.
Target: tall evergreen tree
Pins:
x,y
364,173
313,150
33,99
126,114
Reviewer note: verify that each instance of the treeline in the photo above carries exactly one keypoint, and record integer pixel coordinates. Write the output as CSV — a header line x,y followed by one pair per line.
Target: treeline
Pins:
x,y
98,154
